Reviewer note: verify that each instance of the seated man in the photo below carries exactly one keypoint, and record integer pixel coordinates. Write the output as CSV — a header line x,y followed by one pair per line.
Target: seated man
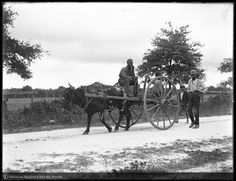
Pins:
x,y
127,78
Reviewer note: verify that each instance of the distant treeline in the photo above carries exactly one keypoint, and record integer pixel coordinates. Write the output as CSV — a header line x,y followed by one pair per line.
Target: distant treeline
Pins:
x,y
27,92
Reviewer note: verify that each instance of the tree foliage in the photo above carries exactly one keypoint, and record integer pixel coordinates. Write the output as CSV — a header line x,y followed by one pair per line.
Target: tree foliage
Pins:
x,y
227,83
173,55
27,88
226,67
17,55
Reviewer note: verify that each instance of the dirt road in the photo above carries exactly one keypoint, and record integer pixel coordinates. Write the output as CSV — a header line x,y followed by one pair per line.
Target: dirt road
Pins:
x,y
177,149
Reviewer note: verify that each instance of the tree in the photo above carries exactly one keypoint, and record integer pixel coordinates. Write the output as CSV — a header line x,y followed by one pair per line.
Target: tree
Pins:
x,y
211,88
27,88
59,91
41,93
17,55
173,55
226,67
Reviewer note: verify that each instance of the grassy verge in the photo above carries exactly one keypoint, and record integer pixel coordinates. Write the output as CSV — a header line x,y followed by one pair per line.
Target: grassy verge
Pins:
x,y
194,157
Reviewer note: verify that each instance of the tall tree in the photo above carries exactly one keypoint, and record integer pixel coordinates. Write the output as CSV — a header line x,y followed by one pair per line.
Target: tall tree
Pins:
x,y
226,67
173,55
17,55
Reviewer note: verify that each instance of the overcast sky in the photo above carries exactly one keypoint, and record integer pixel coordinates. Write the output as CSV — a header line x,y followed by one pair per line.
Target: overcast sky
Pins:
x,y
91,42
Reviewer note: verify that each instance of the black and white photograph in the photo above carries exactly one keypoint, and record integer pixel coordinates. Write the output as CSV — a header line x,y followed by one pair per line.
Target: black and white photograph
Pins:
x,y
117,90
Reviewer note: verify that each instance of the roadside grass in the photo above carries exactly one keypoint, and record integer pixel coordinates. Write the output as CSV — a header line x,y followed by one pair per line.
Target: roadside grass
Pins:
x,y
21,103
78,164
195,157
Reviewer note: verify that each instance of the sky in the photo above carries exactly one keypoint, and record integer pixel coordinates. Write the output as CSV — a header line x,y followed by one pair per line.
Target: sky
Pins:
x,y
90,42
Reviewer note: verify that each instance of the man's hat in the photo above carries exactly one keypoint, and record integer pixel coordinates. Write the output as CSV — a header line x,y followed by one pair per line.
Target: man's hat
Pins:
x,y
182,86
129,60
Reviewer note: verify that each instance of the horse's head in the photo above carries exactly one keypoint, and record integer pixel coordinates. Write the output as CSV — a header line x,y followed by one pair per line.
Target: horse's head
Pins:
x,y
68,96
72,96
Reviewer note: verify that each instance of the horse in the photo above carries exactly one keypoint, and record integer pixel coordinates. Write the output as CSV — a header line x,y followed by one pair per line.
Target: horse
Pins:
x,y
97,104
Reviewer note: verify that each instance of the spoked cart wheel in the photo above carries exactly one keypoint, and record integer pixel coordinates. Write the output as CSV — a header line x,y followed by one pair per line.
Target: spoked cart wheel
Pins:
x,y
161,103
136,110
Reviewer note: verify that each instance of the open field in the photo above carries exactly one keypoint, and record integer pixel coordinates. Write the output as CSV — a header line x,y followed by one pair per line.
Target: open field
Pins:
x,y
20,103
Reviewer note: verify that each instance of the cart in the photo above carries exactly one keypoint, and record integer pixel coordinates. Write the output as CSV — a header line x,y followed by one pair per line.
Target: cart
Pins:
x,y
158,100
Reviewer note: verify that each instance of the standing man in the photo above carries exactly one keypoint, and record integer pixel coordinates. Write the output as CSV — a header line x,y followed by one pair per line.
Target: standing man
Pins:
x,y
127,78
195,89
183,96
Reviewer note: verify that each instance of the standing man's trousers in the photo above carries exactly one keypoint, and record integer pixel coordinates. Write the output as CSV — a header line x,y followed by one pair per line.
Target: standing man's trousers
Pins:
x,y
193,106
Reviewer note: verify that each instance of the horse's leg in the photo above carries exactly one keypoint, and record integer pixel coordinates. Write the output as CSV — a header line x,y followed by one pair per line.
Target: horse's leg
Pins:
x,y
102,119
121,114
128,116
89,118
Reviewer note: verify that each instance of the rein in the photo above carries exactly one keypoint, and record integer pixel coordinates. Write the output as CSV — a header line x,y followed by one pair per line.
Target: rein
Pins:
x,y
81,105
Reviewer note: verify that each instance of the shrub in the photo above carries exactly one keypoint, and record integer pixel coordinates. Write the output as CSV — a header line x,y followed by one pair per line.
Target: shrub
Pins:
x,y
40,113
139,167
219,104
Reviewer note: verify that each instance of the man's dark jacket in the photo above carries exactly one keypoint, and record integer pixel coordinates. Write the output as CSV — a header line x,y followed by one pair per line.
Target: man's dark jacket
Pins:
x,y
126,72
184,100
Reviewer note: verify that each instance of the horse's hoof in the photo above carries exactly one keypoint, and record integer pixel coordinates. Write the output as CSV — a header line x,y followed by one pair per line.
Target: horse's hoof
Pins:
x,y
85,133
110,130
126,129
116,129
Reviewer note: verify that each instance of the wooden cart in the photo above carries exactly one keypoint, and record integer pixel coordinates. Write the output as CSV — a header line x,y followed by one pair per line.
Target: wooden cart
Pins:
x,y
159,101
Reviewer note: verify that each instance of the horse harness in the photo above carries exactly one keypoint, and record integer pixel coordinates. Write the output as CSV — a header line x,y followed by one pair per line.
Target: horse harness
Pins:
x,y
87,100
